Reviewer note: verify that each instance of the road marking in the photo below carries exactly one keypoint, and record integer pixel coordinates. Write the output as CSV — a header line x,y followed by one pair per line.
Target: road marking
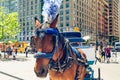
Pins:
x,y
11,75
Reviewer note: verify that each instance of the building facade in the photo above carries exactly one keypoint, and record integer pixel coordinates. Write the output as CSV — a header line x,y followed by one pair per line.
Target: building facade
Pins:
x,y
10,5
119,20
27,10
103,20
78,13
113,21
93,18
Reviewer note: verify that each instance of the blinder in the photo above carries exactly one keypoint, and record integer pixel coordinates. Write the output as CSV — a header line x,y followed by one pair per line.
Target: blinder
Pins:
x,y
41,33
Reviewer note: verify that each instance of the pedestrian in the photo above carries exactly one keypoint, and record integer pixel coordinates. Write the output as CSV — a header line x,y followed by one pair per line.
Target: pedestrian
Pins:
x,y
108,53
103,54
26,51
13,52
16,50
98,55
8,51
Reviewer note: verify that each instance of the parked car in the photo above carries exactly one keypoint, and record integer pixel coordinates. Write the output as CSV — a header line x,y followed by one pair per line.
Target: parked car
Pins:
x,y
117,46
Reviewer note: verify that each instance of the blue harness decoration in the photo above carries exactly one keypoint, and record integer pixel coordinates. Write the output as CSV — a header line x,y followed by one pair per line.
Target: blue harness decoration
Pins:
x,y
67,59
41,34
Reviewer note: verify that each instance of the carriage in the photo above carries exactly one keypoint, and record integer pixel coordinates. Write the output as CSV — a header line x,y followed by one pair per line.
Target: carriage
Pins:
x,y
57,56
77,42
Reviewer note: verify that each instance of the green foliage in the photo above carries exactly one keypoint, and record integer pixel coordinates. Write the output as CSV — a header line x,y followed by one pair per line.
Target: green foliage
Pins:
x,y
9,25
1,0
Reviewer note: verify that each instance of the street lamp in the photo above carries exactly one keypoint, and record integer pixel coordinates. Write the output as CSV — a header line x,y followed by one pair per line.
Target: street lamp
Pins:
x,y
96,46
96,25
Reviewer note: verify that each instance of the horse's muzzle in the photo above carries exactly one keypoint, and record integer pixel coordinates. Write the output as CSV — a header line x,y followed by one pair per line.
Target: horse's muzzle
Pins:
x,y
42,72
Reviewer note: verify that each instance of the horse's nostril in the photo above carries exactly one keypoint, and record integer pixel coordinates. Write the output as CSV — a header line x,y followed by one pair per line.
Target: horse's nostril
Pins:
x,y
42,71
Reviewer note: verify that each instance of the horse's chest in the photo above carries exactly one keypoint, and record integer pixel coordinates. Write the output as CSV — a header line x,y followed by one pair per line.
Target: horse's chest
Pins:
x,y
68,74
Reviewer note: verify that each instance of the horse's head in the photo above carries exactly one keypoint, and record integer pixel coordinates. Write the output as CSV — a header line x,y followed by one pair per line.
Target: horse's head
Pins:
x,y
44,42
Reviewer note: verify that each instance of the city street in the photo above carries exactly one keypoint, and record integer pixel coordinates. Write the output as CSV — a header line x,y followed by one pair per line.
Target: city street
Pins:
x,y
19,69
53,29
22,69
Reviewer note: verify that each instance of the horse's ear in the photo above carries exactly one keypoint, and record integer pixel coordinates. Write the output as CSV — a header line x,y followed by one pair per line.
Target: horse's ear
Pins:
x,y
53,24
37,23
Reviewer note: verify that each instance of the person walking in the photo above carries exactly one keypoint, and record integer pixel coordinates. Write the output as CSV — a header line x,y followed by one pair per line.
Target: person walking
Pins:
x,y
16,50
8,51
26,51
13,52
103,55
98,55
108,53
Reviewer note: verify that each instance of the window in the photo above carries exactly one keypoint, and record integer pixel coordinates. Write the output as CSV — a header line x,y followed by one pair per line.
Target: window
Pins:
x,y
61,24
23,29
23,38
35,1
31,7
23,24
61,18
31,28
27,38
61,7
67,11
35,6
28,3
27,28
67,17
67,24
27,23
20,20
27,8
67,5
61,12
20,39
31,2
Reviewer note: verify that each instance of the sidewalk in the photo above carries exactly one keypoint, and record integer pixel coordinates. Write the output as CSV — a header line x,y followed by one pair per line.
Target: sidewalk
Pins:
x,y
20,69
19,57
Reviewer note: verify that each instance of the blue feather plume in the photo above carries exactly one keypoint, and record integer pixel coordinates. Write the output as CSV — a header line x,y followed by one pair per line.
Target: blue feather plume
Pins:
x,y
50,9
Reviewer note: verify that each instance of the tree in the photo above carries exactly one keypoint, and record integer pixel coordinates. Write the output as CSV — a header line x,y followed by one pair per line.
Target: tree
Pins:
x,y
9,25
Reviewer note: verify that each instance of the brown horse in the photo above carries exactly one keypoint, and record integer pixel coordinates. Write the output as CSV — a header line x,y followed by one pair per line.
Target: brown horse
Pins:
x,y
54,54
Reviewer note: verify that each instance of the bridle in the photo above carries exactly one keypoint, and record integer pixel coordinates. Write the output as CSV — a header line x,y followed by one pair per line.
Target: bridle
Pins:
x,y
67,59
47,31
